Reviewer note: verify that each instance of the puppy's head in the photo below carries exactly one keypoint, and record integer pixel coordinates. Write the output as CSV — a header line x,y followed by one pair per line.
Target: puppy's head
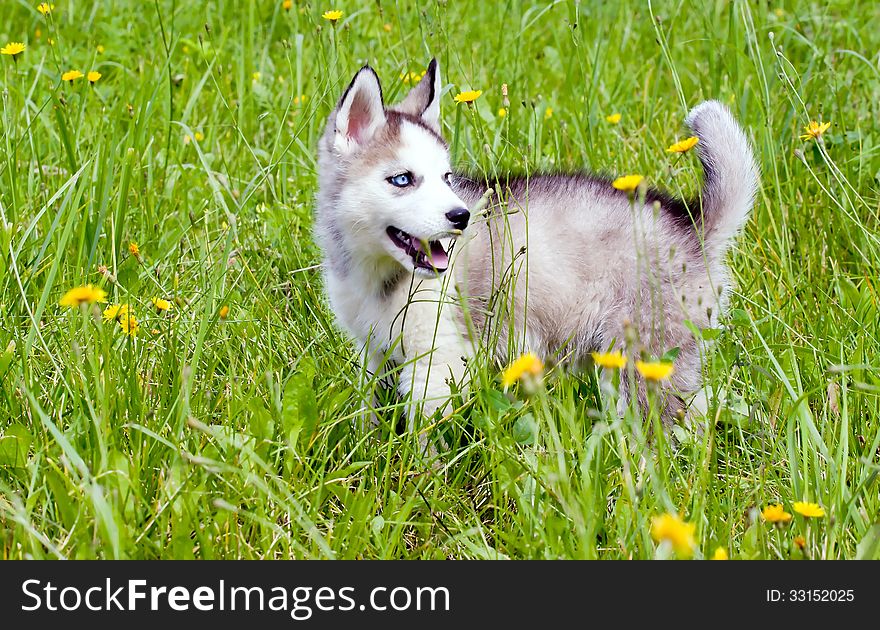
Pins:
x,y
390,175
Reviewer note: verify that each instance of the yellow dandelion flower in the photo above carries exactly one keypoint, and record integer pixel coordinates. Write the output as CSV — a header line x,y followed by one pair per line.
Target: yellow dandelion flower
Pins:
x,y
800,542
683,146
613,118
115,312
256,76
332,16
45,8
199,136
83,295
678,533
94,76
627,183
809,510
527,364
387,27
548,113
287,5
609,360
224,312
720,554
815,130
100,49
14,49
129,325
655,370
411,77
160,304
134,249
467,97
72,75
502,112
775,514
154,331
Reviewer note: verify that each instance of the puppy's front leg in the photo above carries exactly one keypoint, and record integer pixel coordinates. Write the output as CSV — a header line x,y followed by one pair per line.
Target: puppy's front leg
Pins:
x,y
425,380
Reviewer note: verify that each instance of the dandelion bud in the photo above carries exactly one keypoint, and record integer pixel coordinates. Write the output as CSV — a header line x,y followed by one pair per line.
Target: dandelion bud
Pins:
x,y
102,269
135,251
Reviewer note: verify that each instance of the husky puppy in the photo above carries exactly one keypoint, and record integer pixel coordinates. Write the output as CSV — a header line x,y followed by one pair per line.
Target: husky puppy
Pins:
x,y
559,265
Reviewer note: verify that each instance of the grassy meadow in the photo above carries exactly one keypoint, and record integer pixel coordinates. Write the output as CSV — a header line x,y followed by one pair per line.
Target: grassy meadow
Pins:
x,y
224,425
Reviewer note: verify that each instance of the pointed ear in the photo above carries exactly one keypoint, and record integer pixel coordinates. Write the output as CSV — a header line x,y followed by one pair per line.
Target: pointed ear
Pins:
x,y
424,99
360,111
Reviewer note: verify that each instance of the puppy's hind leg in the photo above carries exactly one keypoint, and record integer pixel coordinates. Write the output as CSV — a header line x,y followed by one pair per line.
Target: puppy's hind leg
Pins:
x,y
661,399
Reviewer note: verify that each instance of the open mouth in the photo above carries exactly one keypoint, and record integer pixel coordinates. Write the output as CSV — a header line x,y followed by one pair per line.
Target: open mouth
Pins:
x,y
430,255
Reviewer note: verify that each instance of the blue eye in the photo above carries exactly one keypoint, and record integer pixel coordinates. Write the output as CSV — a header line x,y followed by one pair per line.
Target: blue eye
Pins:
x,y
401,180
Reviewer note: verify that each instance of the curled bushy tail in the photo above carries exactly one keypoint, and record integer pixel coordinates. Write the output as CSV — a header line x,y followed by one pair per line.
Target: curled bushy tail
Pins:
x,y
730,175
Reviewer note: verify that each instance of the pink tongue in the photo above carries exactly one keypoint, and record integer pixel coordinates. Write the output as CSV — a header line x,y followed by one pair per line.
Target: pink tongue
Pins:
x,y
437,257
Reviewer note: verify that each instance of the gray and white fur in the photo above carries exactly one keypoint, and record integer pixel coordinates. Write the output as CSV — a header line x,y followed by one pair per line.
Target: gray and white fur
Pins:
x,y
557,264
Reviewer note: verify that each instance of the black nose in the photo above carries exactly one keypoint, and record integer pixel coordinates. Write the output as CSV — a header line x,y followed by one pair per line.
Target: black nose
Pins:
x,y
459,218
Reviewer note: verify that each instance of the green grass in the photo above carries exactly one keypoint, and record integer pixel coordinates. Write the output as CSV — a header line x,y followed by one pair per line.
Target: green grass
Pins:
x,y
237,437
